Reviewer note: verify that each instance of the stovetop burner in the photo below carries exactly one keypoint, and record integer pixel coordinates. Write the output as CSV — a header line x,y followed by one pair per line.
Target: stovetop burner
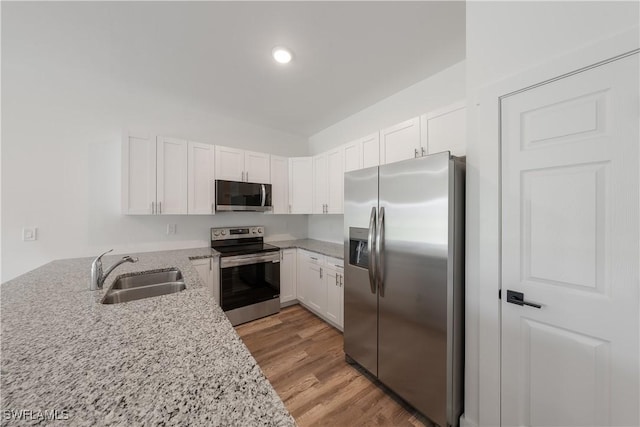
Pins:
x,y
232,241
233,250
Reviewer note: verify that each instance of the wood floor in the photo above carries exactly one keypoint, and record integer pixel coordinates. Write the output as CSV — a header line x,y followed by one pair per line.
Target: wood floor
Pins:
x,y
302,356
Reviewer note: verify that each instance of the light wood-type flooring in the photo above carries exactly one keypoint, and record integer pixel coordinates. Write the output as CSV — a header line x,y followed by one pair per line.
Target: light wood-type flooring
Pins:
x,y
303,358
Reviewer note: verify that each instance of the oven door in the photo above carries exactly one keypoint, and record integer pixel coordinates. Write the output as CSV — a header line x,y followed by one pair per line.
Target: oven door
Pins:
x,y
249,279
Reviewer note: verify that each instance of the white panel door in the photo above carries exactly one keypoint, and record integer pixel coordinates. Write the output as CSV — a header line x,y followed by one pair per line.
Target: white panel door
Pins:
x,y
570,234
303,273
280,184
317,288
172,176
138,174
335,181
320,183
201,182
300,185
446,131
353,156
229,163
257,167
288,275
371,150
400,142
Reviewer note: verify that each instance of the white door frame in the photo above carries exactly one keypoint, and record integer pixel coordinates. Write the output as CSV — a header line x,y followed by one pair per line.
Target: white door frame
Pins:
x,y
483,313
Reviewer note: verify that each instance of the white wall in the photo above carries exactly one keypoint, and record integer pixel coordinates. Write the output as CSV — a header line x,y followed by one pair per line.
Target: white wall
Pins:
x,y
504,39
441,89
61,141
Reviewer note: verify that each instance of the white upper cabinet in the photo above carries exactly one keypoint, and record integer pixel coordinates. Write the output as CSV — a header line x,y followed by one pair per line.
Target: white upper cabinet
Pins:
x,y
201,179
353,156
138,174
233,164
280,185
371,150
362,153
320,183
257,167
445,130
400,142
335,181
171,176
301,185
229,163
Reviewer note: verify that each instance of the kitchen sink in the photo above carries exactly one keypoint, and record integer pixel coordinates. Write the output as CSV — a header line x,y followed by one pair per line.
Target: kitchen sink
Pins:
x,y
148,278
144,285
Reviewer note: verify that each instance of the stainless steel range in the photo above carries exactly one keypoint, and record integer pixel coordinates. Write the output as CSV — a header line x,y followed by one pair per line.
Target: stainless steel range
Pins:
x,y
249,273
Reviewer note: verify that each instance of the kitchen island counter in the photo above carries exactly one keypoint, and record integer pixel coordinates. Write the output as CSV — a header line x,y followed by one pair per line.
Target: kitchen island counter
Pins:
x,y
169,360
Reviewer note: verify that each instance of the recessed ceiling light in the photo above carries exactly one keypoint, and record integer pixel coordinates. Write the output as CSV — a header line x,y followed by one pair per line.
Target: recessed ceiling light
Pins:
x,y
282,54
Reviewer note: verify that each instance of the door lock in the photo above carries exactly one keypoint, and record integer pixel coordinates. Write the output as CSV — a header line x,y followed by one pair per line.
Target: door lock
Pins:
x,y
517,298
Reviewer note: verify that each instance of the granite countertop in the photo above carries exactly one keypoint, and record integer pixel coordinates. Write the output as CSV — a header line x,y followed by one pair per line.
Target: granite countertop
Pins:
x,y
335,250
169,360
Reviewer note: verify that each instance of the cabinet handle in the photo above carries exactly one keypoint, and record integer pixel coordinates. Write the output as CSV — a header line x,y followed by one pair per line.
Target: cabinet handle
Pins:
x,y
336,280
341,280
289,208
153,208
424,152
212,209
210,264
313,258
242,179
415,153
321,272
160,208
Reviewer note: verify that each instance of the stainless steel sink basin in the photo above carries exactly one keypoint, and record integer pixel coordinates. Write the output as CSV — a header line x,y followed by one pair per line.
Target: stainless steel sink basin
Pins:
x,y
146,285
150,278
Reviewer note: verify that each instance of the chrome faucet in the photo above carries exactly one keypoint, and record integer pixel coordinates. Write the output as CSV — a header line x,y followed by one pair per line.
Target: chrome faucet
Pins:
x,y
98,277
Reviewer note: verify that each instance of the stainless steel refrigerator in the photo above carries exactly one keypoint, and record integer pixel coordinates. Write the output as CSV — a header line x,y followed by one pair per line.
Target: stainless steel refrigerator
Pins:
x,y
404,280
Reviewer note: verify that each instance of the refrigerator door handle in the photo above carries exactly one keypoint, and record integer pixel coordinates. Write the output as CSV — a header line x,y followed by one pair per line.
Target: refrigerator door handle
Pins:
x,y
380,252
371,249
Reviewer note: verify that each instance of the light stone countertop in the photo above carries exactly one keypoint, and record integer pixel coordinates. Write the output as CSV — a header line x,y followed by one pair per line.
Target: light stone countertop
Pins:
x,y
169,360
335,250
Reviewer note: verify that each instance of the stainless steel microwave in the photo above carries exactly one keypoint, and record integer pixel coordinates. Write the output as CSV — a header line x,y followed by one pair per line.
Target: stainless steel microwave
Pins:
x,y
243,196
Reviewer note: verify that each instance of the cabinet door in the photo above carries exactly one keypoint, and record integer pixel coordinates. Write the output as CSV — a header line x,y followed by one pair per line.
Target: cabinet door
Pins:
x,y
172,176
229,163
335,179
303,273
257,167
400,142
320,183
288,275
203,267
353,156
201,182
446,131
317,288
371,150
333,296
280,184
138,174
300,185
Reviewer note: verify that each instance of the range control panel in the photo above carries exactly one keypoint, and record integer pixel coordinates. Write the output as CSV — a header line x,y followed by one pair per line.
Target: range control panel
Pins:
x,y
224,233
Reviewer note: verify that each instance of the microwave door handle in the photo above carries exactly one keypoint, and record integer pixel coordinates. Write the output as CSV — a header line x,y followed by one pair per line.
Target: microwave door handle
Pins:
x,y
371,249
264,194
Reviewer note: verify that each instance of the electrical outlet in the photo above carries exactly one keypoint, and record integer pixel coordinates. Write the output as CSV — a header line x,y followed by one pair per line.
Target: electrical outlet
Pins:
x,y
29,234
171,228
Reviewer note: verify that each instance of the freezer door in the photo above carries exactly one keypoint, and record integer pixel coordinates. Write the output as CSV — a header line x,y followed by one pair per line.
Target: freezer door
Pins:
x,y
360,296
412,351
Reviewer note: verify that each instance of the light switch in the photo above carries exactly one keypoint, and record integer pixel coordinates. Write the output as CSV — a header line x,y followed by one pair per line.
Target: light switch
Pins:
x,y
29,234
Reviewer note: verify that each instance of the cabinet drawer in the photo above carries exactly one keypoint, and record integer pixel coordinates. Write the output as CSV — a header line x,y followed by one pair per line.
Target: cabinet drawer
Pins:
x,y
312,257
335,263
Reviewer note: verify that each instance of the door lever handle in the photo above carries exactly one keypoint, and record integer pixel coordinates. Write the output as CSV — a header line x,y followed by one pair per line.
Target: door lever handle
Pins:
x,y
517,298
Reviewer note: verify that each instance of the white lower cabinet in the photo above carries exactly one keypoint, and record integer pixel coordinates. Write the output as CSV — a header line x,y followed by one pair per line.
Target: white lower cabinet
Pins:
x,y
208,269
288,276
335,292
319,285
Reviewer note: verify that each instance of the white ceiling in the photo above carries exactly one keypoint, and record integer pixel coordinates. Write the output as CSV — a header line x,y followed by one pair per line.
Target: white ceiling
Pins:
x,y
347,55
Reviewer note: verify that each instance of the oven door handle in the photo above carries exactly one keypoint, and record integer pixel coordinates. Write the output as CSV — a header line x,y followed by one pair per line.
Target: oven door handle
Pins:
x,y
235,261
